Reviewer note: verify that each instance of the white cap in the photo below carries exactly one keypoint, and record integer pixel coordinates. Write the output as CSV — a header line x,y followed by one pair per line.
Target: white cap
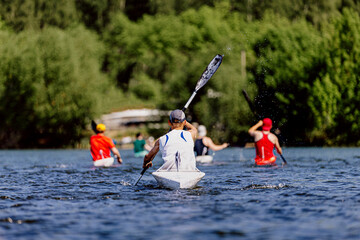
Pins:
x,y
202,131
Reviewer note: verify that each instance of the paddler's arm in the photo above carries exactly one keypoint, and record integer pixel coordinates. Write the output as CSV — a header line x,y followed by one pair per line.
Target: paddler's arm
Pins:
x,y
253,129
191,129
117,154
277,146
209,143
147,147
150,156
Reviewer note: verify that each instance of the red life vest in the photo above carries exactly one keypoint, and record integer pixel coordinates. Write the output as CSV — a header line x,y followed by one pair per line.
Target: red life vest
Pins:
x,y
100,146
264,151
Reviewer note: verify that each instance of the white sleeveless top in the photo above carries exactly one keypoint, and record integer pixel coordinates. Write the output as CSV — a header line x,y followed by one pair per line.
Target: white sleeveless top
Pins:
x,y
181,142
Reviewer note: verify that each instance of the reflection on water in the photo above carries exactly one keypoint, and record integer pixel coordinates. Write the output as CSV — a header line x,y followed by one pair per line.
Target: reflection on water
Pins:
x,y
59,194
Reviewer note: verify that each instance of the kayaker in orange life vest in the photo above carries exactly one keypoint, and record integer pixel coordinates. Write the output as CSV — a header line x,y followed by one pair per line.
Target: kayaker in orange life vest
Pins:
x,y
265,141
101,145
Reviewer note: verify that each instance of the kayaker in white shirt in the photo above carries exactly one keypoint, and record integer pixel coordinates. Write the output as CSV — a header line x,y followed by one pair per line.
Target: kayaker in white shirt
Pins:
x,y
177,142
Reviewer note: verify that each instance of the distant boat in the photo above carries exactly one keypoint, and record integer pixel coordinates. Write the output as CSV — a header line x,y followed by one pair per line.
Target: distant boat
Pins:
x,y
204,159
106,162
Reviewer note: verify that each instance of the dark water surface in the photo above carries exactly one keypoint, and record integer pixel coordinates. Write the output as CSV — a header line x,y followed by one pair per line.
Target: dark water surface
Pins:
x,y
57,194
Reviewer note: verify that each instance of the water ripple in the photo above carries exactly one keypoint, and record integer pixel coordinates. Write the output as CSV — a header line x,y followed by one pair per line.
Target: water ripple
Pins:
x,y
59,194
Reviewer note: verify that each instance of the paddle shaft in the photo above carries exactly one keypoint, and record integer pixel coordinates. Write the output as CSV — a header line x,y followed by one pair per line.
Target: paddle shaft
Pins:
x,y
251,105
189,101
282,157
144,170
141,174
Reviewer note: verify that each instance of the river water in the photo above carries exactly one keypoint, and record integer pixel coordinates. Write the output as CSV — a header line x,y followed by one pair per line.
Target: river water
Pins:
x,y
57,194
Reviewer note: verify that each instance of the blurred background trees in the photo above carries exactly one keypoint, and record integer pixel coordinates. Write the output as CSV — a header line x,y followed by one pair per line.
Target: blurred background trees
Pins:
x,y
50,86
64,62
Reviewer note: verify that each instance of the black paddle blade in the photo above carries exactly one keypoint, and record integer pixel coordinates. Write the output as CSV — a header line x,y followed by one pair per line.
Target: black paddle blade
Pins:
x,y
93,126
209,71
251,105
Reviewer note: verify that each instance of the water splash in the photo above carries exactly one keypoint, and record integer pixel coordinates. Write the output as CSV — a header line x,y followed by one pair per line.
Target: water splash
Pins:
x,y
227,50
266,186
124,183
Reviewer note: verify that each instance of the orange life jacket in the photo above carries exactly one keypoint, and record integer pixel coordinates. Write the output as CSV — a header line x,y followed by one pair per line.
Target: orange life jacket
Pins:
x,y
100,146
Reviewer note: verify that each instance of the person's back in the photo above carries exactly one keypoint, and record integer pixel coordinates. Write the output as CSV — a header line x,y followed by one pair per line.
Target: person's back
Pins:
x,y
265,141
178,142
264,147
177,146
200,148
100,146
139,145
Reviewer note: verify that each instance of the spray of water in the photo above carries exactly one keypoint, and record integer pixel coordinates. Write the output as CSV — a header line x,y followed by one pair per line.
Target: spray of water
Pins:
x,y
227,50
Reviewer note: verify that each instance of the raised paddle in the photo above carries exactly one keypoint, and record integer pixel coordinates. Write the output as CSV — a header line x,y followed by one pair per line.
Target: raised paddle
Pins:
x,y
205,76
93,126
252,108
251,105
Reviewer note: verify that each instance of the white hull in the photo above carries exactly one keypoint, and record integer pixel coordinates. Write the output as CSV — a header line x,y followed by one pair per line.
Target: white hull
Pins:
x,y
177,180
204,159
106,162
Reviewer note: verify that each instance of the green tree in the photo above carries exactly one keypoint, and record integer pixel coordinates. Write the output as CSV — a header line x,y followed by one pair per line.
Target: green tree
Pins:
x,y
286,67
315,12
336,93
51,85
33,15
160,58
96,14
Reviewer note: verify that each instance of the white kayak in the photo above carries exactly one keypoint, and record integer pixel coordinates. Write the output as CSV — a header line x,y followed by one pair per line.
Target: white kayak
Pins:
x,y
204,159
177,180
105,162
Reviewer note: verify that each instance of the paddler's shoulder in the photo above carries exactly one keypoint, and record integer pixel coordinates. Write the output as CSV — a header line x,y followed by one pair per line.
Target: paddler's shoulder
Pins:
x,y
255,133
99,135
272,137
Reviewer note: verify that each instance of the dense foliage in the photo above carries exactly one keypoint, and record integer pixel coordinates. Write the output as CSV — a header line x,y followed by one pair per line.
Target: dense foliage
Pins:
x,y
50,85
65,62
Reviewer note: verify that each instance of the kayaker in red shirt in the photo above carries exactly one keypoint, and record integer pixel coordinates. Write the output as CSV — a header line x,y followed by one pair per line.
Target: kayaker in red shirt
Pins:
x,y
265,141
101,145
